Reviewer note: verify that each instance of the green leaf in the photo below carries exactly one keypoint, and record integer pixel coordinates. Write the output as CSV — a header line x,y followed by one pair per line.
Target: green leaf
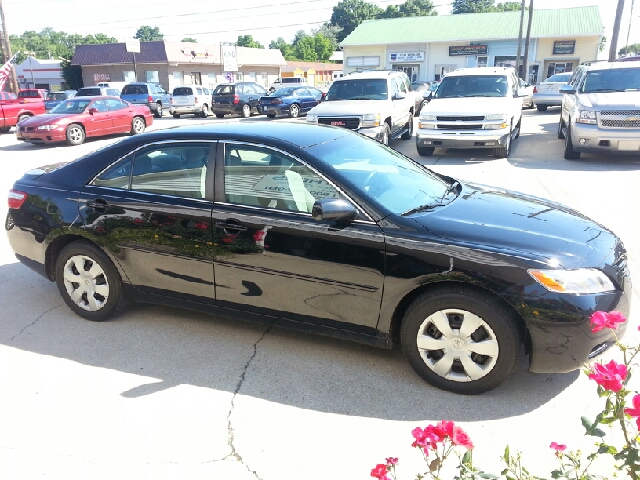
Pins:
x,y
608,420
556,474
486,475
505,457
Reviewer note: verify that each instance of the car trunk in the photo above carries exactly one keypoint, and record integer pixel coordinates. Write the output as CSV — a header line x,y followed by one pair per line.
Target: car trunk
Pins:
x,y
224,95
135,95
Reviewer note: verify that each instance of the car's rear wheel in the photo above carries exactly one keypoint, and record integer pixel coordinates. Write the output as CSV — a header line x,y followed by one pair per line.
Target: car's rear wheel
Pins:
x,y
246,110
219,115
88,281
158,112
22,117
176,115
460,340
569,152
204,113
294,110
137,126
409,126
5,129
425,151
75,134
561,128
541,108
271,115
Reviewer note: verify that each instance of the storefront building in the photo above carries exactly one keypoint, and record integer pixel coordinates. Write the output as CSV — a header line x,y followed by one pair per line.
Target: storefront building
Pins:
x,y
316,73
178,63
427,48
46,74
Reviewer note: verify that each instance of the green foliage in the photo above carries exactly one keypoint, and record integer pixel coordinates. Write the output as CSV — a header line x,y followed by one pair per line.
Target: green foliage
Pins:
x,y
508,7
348,14
472,6
189,40
330,32
248,41
633,49
282,45
148,34
304,49
72,75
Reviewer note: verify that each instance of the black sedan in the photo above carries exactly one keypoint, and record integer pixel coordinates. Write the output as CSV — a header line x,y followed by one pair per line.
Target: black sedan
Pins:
x,y
320,229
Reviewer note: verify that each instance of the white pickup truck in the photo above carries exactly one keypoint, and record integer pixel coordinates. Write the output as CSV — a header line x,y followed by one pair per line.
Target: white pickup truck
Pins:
x,y
380,104
472,108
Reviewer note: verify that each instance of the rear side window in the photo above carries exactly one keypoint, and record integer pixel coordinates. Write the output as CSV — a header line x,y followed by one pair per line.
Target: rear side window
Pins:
x,y
292,80
88,92
224,90
134,90
29,94
182,91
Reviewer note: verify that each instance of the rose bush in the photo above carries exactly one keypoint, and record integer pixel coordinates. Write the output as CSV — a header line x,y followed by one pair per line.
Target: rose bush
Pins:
x,y
438,442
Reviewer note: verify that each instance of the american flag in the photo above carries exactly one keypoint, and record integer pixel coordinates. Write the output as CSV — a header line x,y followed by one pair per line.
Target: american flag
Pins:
x,y
6,70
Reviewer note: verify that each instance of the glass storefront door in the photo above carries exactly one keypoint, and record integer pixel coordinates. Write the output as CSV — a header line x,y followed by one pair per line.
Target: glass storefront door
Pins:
x,y
412,71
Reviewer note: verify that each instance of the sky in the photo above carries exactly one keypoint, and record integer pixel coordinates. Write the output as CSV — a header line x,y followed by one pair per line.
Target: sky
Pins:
x,y
214,21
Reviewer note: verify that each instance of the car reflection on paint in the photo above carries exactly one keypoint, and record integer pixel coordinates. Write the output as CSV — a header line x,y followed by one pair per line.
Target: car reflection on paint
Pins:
x,y
320,229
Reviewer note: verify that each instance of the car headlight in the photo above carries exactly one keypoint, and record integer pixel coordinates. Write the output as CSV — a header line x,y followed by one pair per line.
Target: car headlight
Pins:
x,y
312,118
47,127
496,126
587,116
427,117
581,280
495,116
371,120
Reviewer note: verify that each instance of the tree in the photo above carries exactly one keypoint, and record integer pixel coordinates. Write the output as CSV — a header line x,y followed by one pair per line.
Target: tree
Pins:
x,y
322,46
472,6
148,34
283,46
330,32
304,49
189,40
507,7
72,75
629,49
417,8
348,14
248,41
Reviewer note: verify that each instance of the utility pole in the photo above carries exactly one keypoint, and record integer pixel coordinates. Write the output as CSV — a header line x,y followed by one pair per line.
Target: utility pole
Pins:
x,y
616,31
520,40
527,40
7,50
629,30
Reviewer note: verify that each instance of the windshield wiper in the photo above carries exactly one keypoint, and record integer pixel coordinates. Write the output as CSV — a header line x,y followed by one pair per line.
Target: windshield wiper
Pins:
x,y
359,98
422,208
450,189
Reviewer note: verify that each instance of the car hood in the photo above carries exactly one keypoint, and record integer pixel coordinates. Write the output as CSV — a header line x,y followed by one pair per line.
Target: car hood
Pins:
x,y
468,105
520,225
348,107
611,100
47,118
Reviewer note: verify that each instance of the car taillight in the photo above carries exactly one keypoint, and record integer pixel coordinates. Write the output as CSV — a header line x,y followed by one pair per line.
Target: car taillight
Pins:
x,y
16,198
150,99
236,99
535,90
276,101
171,100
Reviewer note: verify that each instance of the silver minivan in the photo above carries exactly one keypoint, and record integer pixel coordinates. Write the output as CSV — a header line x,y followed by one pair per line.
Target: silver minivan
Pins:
x,y
287,82
193,99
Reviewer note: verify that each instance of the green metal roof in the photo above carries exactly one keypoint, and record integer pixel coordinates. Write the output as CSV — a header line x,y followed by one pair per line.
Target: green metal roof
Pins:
x,y
560,22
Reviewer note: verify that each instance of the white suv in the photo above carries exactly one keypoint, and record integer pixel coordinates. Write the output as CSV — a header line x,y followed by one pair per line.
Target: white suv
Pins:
x,y
288,82
194,99
472,108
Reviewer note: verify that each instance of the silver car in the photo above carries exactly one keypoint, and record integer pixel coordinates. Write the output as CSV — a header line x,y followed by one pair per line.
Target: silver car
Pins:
x,y
601,110
546,94
190,99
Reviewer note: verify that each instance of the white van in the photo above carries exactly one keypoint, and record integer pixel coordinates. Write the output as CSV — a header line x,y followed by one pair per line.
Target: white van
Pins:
x,y
117,85
287,82
194,99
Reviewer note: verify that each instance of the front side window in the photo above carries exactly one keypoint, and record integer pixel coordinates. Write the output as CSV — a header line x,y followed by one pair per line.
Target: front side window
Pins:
x,y
115,104
71,106
171,169
100,105
261,177
473,86
116,176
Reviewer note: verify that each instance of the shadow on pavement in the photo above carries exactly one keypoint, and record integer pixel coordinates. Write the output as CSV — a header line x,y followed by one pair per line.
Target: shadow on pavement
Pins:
x,y
173,347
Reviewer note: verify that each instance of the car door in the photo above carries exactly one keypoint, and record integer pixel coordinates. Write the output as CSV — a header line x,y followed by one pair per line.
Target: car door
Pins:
x,y
251,95
122,114
152,211
569,100
273,258
100,122
400,110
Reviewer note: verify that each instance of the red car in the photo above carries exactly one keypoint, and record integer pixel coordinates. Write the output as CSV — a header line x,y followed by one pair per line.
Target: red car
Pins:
x,y
7,98
30,95
80,117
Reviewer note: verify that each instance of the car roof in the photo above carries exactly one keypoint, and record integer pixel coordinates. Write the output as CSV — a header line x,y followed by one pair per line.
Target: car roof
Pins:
x,y
475,71
370,74
93,97
610,65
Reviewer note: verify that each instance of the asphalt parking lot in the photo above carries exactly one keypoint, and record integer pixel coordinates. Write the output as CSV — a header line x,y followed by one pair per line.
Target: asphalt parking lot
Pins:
x,y
159,393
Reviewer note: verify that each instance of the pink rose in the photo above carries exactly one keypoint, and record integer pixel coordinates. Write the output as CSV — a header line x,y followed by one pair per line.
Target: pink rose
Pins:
x,y
392,460
427,437
459,437
558,447
634,412
380,472
445,428
600,320
609,376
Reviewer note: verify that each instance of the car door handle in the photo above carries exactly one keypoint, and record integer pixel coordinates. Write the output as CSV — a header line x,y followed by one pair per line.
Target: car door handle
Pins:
x,y
98,204
231,226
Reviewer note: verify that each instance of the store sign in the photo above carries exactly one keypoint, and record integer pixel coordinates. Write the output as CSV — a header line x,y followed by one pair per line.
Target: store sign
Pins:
x,y
101,77
459,50
229,58
564,47
406,57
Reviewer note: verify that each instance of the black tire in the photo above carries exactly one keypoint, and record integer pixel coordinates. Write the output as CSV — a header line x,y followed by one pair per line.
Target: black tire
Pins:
x,y
99,296
560,128
386,131
541,108
496,333
294,110
503,151
158,112
138,125
518,127
5,129
246,111
219,115
408,134
271,115
569,152
425,151
22,117
204,113
75,134
176,115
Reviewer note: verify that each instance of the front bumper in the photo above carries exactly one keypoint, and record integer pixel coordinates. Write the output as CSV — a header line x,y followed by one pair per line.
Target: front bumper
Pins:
x,y
587,138
377,133
41,136
461,138
550,100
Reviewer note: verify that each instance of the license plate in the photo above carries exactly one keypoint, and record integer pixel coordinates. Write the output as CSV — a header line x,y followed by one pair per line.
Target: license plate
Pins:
x,y
629,145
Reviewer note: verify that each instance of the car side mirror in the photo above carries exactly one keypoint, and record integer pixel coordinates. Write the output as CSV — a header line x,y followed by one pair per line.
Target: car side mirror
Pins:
x,y
427,95
567,89
399,96
93,110
334,210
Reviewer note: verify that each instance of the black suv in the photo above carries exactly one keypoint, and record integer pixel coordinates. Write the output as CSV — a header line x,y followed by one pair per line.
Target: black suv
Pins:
x,y
236,98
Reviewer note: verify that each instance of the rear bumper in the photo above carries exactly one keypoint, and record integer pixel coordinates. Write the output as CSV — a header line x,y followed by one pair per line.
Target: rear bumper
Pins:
x,y
226,109
184,109
594,139
461,139
549,100
274,109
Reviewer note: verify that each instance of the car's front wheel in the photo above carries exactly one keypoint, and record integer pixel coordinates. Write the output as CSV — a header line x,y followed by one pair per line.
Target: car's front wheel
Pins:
x,y
88,281
504,151
137,126
569,152
158,112
384,137
460,340
541,108
204,113
425,151
5,129
561,128
75,134
219,115
409,126
246,110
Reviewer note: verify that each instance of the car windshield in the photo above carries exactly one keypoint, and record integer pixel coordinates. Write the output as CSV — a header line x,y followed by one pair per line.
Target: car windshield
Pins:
x,y
559,78
224,90
386,176
29,94
283,92
291,80
56,96
370,89
71,106
473,86
612,80
89,92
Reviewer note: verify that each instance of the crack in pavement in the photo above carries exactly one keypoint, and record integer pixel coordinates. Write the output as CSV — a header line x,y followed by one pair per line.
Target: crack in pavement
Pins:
x,y
234,454
33,323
